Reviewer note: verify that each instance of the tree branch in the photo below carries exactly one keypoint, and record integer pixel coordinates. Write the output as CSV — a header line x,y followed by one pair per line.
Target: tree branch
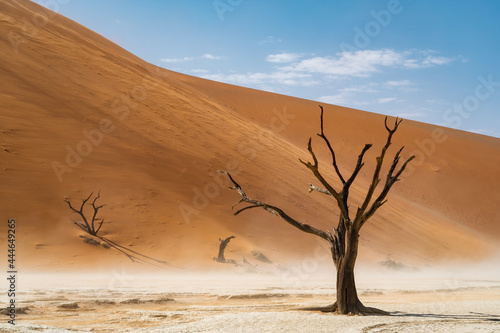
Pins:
x,y
319,189
88,227
81,225
80,212
359,165
96,209
363,214
315,170
390,181
100,225
276,211
376,173
332,152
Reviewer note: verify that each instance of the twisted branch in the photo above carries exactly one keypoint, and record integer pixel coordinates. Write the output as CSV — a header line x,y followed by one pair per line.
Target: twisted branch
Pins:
x,y
363,214
274,210
88,227
80,211
332,152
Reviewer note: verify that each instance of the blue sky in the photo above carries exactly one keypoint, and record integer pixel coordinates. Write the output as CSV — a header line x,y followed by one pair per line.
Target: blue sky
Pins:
x,y
430,61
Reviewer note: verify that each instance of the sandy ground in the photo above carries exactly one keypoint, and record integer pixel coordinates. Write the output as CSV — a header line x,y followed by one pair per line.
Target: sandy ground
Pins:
x,y
168,133
122,301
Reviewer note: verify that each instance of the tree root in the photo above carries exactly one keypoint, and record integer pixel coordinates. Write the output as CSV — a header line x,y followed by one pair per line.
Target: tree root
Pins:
x,y
359,309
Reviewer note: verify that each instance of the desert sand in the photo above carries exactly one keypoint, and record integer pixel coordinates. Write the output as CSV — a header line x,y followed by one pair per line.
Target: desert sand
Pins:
x,y
79,114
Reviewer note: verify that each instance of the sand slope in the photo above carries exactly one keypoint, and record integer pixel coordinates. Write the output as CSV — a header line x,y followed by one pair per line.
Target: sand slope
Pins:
x,y
80,114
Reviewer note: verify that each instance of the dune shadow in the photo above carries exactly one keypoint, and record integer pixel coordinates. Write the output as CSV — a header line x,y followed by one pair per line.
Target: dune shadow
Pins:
x,y
135,256
469,316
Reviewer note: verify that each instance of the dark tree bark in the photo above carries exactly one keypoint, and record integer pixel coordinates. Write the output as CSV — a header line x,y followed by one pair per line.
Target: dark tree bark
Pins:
x,y
344,240
222,248
89,227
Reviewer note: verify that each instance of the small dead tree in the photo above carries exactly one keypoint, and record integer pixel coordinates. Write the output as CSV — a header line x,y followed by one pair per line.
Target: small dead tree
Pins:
x,y
88,226
222,248
343,241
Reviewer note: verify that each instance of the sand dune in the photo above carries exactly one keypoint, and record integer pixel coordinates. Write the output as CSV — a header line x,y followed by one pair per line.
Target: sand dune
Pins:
x,y
80,114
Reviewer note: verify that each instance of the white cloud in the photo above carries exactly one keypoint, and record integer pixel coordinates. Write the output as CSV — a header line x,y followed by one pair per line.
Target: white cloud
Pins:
x,y
264,78
339,99
344,99
431,60
270,40
411,115
366,62
423,59
186,59
294,69
211,57
365,88
437,102
484,131
358,64
401,83
199,71
174,60
283,57
386,100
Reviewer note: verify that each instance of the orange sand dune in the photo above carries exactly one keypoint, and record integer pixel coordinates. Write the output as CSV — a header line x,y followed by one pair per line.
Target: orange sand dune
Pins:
x,y
80,114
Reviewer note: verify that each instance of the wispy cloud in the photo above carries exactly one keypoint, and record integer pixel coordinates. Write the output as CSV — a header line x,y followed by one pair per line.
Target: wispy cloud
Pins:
x,y
343,98
211,57
424,59
264,78
400,83
186,59
199,71
283,57
485,131
270,40
176,60
358,64
371,87
350,99
411,115
301,70
386,100
338,99
439,102
366,62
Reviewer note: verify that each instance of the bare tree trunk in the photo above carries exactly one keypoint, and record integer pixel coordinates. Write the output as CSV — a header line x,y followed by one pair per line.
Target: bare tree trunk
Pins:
x,y
347,296
345,238
222,248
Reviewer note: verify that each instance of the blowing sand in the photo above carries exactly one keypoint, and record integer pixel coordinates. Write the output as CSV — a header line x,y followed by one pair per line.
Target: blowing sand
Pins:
x,y
431,301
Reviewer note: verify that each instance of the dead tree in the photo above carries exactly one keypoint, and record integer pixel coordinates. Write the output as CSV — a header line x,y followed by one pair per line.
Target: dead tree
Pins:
x,y
343,240
86,225
222,248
